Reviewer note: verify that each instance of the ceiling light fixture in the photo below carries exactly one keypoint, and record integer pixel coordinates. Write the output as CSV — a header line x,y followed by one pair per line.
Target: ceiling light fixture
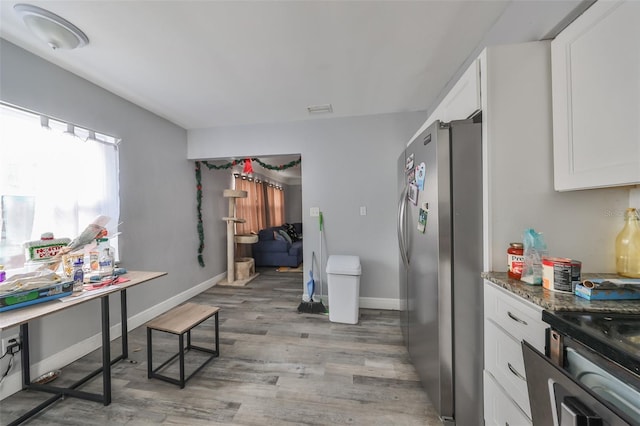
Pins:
x,y
320,109
54,30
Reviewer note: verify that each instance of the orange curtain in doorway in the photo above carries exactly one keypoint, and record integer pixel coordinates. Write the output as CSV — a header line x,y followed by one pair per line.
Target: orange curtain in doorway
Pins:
x,y
252,209
275,205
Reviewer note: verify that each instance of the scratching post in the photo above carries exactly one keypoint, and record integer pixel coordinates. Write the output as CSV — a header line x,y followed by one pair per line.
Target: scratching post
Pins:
x,y
243,265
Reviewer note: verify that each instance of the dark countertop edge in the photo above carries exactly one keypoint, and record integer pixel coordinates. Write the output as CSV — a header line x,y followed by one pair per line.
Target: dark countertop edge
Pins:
x,y
556,301
599,344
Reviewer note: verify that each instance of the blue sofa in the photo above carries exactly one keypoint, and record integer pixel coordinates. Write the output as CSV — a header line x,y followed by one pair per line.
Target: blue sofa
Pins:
x,y
269,251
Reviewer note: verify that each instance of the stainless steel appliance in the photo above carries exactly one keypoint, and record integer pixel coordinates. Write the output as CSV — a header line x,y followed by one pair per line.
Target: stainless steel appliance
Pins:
x,y
440,239
589,375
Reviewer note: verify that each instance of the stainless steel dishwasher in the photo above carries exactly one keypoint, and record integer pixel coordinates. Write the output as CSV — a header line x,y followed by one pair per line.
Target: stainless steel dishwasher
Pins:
x,y
590,372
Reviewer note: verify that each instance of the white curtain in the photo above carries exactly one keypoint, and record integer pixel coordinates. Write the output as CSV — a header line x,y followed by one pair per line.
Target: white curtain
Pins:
x,y
68,180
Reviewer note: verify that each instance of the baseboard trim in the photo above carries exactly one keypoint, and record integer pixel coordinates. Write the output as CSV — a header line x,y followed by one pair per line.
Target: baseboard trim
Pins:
x,y
13,382
369,302
380,303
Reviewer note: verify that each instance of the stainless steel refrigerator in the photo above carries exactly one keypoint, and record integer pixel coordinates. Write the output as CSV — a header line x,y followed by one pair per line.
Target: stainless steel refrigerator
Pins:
x,y
440,241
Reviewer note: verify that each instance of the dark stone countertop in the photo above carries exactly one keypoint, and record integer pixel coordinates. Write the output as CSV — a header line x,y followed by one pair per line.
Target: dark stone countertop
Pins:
x,y
555,301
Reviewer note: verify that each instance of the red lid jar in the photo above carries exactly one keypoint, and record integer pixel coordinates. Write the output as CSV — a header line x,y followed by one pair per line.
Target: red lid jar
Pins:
x,y
515,260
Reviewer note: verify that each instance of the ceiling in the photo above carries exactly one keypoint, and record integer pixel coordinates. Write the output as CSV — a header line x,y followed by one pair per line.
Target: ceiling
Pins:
x,y
203,64
206,63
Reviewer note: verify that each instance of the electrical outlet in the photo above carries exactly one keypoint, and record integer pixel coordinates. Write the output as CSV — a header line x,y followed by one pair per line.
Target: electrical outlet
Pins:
x,y
5,341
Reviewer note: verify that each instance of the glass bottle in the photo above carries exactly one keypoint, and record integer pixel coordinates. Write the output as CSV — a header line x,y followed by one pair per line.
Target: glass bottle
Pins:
x,y
628,246
106,263
94,255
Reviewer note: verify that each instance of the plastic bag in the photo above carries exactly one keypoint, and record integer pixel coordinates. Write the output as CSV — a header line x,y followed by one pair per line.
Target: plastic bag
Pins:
x,y
534,249
29,281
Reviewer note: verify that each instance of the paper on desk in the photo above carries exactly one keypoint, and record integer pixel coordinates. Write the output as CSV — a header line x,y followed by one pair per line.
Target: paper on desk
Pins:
x,y
84,294
97,288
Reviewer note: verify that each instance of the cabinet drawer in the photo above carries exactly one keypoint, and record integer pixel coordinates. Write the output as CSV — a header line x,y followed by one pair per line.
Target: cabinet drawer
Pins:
x,y
521,319
499,409
503,359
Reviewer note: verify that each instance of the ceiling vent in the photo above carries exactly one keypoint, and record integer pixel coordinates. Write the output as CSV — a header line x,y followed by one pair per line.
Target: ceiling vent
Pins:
x,y
320,109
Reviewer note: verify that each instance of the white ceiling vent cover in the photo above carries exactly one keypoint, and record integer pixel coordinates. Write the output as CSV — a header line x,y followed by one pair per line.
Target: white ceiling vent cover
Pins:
x,y
320,109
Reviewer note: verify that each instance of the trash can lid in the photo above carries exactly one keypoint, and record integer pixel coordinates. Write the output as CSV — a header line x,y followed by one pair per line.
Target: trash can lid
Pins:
x,y
344,265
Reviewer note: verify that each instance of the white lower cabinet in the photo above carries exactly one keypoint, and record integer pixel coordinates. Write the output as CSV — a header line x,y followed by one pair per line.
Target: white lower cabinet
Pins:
x,y
499,409
503,358
508,320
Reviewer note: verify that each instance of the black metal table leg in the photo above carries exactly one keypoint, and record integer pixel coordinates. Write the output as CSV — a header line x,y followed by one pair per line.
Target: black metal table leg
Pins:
x,y
26,373
123,322
106,351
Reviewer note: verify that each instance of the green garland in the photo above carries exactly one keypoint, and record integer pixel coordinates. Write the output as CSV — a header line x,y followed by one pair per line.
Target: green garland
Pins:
x,y
200,225
199,206
257,160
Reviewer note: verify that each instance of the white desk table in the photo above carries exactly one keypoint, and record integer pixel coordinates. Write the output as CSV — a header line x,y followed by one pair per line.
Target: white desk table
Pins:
x,y
22,316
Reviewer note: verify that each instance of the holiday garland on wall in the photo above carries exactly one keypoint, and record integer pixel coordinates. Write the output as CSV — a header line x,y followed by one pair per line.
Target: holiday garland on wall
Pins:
x,y
246,161
247,166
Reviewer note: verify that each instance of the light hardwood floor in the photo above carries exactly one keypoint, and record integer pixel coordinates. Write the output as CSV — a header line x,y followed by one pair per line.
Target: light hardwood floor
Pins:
x,y
276,367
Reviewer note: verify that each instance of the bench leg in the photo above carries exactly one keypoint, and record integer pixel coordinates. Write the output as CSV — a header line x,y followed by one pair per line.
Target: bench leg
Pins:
x,y
182,350
149,356
217,336
154,373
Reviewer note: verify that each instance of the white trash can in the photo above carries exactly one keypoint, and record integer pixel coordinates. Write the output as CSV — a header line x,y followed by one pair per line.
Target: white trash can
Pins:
x,y
343,277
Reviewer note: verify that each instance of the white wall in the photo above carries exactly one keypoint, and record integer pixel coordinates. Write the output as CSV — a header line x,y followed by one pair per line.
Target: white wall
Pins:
x,y
293,203
516,99
347,163
157,194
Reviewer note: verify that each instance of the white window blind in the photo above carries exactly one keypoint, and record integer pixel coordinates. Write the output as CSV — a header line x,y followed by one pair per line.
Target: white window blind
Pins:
x,y
54,177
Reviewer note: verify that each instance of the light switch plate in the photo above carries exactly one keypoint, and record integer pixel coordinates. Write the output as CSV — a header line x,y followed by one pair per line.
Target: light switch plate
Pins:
x,y
363,210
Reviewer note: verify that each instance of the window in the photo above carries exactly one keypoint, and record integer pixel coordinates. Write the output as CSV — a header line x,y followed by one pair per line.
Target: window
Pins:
x,y
54,177
275,205
263,207
252,208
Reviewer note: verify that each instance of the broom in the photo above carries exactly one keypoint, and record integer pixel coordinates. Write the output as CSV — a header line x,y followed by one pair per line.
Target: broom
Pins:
x,y
311,307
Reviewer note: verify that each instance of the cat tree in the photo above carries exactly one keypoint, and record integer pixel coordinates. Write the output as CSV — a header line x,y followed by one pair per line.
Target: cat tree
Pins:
x,y
240,270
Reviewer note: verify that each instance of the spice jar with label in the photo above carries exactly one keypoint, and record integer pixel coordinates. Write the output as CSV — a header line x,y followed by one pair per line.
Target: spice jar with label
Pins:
x,y
515,260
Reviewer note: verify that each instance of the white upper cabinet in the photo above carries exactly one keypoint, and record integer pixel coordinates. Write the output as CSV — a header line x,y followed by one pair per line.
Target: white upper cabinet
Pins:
x,y
595,64
463,100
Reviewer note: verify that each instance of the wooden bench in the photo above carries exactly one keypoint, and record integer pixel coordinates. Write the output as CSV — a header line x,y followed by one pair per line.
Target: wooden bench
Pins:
x,y
180,320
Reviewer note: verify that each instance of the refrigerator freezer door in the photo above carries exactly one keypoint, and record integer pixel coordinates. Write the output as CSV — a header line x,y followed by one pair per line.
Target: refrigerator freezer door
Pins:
x,y
466,213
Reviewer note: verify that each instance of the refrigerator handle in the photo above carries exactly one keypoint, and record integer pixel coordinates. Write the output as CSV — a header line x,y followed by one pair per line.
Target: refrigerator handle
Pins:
x,y
400,228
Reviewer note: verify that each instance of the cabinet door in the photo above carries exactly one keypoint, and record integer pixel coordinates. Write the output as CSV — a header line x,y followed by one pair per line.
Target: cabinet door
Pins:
x,y
499,409
518,317
464,98
596,98
503,359
461,102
